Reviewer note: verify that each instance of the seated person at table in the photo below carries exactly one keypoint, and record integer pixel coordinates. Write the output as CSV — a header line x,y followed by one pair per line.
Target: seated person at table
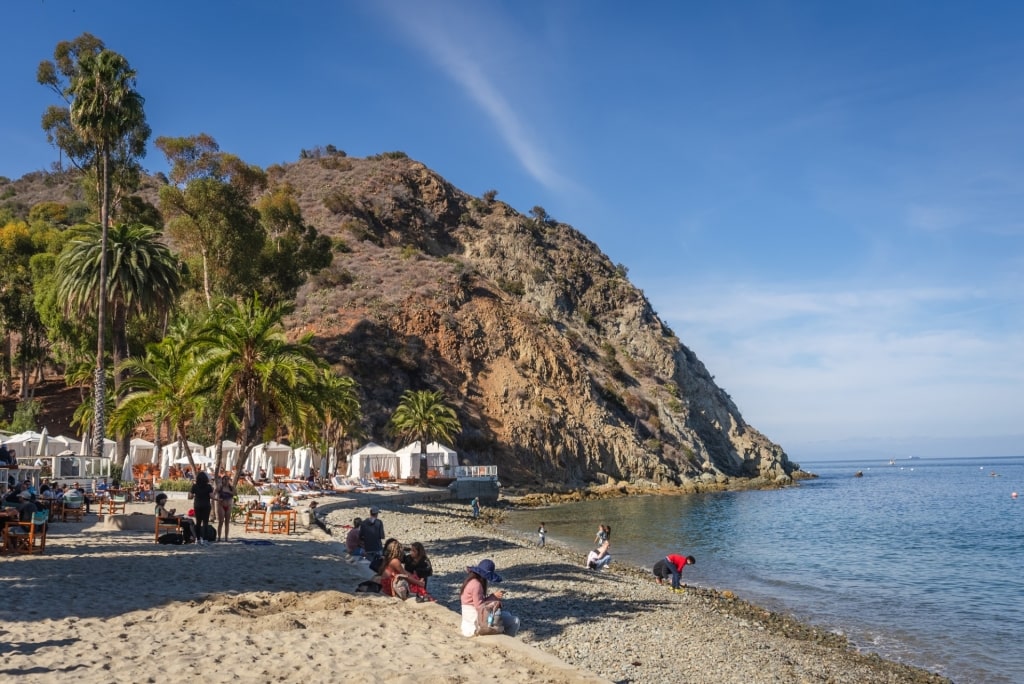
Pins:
x,y
279,502
102,486
78,488
188,528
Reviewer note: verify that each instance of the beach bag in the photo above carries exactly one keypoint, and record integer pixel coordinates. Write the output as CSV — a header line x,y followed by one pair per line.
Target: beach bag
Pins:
x,y
376,563
368,587
400,587
171,538
488,619
209,533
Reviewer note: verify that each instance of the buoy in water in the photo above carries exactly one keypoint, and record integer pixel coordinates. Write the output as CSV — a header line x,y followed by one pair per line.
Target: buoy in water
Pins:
x,y
1013,495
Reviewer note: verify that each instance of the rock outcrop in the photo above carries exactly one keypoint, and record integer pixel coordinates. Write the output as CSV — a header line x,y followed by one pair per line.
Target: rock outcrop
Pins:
x,y
561,372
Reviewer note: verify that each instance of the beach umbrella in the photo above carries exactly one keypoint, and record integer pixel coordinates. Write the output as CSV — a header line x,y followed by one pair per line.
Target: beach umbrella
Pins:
x,y
323,467
84,449
126,470
41,449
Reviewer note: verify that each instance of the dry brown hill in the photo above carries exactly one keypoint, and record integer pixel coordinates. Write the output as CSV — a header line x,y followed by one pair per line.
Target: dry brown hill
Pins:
x,y
560,371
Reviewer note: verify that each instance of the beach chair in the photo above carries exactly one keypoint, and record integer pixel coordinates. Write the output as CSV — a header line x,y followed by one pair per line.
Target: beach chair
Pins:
x,y
117,503
282,522
24,537
74,507
255,520
163,527
382,485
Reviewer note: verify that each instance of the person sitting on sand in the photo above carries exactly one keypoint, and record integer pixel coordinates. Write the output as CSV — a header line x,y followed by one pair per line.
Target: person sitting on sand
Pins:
x,y
417,563
474,593
673,565
166,515
600,557
353,544
395,581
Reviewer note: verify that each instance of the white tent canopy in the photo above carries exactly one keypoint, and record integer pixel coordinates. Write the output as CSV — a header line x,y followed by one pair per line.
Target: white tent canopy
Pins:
x,y
27,444
439,457
229,449
267,456
141,451
373,458
300,461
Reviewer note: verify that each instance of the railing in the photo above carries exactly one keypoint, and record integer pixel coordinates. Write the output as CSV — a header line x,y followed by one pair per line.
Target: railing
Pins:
x,y
462,472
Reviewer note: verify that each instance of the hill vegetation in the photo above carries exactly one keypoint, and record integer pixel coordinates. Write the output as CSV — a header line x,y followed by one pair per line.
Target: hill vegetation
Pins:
x,y
557,368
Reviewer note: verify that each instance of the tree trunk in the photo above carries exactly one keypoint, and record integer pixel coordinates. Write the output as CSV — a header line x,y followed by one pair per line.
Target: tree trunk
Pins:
x,y
99,396
119,333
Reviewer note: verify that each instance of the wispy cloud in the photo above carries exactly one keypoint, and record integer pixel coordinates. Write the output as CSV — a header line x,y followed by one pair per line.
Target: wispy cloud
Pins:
x,y
441,31
834,364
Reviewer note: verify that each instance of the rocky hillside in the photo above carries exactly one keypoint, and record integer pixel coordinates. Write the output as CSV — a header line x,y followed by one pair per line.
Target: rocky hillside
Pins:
x,y
560,371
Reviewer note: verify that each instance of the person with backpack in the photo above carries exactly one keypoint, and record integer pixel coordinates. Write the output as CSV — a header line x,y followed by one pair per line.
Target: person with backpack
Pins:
x,y
371,534
484,613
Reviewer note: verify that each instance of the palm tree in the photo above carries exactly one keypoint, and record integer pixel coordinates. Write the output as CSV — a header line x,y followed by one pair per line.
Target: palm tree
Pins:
x,y
423,415
341,410
258,376
105,110
143,278
164,386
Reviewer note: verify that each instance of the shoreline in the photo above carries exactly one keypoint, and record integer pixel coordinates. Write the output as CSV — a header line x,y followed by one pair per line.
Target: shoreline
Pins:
x,y
615,623
104,605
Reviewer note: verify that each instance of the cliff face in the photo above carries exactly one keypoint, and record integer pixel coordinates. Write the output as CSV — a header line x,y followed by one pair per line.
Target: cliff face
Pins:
x,y
560,370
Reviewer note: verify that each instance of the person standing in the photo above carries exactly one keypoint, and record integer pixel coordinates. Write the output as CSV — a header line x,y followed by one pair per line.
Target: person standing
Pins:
x,y
202,495
476,507
673,565
541,534
371,534
225,502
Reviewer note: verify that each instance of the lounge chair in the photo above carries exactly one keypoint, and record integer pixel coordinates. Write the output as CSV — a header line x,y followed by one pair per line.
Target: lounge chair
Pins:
x,y
25,537
382,485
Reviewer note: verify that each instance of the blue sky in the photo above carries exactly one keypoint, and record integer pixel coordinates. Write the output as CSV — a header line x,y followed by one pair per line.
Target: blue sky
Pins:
x,y
825,200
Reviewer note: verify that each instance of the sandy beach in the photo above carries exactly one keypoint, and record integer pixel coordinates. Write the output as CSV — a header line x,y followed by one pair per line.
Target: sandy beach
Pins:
x,y
112,606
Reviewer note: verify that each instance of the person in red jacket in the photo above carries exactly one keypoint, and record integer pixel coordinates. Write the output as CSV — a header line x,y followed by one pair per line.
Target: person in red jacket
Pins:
x,y
673,565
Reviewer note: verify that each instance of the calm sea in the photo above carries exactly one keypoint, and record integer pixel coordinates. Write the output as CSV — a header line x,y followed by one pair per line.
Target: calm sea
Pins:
x,y
921,561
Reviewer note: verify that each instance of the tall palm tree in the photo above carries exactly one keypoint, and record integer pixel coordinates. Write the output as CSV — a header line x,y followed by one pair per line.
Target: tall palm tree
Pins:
x,y
259,377
105,110
143,278
423,415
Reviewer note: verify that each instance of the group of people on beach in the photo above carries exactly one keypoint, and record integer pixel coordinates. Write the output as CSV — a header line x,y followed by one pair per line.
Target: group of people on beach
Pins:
x,y
668,568
204,495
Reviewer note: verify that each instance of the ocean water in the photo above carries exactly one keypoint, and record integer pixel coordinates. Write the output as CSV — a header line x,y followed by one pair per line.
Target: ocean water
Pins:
x,y
921,561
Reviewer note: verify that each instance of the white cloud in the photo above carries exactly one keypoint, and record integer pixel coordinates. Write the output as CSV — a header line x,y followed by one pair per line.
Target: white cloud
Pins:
x,y
443,32
839,364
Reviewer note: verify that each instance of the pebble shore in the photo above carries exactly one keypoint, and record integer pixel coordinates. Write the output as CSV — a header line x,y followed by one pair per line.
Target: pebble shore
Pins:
x,y
619,623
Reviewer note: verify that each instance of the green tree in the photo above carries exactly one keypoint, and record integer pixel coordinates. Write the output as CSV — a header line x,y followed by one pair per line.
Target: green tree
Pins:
x,y
144,278
164,386
342,413
210,216
423,415
293,249
259,378
106,130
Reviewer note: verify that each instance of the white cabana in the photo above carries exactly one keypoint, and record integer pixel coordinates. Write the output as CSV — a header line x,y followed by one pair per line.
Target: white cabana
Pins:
x,y
230,451
439,458
171,453
40,444
267,456
300,462
373,458
141,451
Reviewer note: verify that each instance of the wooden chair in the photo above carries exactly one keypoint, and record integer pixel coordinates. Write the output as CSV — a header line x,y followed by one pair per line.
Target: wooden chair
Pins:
x,y
74,507
117,503
24,537
162,527
255,520
283,522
